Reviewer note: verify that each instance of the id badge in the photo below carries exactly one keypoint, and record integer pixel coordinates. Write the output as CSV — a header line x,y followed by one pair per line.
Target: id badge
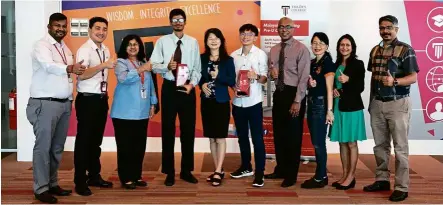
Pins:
x,y
143,93
103,86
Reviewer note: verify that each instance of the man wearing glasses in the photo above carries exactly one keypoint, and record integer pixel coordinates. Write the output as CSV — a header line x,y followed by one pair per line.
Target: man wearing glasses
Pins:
x,y
248,111
170,51
289,66
394,68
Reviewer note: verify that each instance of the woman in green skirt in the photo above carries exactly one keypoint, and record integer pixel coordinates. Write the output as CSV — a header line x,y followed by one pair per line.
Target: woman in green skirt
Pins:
x,y
349,124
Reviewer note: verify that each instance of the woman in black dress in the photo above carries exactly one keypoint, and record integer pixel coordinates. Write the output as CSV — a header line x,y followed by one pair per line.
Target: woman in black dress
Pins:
x,y
218,74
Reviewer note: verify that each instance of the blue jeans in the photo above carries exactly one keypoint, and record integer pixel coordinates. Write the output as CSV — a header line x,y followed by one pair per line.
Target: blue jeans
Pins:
x,y
246,118
318,127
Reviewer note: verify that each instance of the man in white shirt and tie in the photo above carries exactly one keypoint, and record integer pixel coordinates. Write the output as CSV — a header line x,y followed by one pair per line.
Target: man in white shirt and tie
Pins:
x,y
91,106
49,106
169,51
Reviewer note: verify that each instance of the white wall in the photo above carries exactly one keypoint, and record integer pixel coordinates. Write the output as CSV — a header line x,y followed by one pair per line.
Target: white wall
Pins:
x,y
31,18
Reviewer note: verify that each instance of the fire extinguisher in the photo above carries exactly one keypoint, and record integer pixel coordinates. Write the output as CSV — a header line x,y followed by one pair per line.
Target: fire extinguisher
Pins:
x,y
13,109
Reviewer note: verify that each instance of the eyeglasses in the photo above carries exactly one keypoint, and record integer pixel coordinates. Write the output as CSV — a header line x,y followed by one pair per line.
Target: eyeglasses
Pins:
x,y
133,45
178,20
389,28
285,27
247,34
321,44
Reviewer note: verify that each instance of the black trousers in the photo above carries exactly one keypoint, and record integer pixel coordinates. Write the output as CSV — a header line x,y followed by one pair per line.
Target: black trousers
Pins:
x,y
92,112
288,132
130,137
174,102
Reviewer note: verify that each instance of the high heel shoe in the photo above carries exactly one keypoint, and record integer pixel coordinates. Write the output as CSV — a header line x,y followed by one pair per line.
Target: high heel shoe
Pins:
x,y
351,185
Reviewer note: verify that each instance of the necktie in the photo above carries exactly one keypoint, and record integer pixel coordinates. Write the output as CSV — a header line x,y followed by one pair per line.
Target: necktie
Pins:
x,y
177,56
281,64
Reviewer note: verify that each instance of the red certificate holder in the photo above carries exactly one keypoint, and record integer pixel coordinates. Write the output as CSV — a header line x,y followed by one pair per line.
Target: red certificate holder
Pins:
x,y
243,86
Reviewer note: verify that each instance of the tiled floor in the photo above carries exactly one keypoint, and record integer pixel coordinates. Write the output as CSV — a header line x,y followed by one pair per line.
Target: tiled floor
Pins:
x,y
426,183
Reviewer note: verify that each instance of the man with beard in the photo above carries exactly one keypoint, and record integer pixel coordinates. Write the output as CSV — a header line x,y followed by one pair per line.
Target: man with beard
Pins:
x,y
92,107
49,106
290,66
169,51
394,68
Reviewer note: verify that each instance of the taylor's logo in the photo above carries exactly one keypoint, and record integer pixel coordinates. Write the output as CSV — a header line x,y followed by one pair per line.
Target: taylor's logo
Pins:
x,y
285,9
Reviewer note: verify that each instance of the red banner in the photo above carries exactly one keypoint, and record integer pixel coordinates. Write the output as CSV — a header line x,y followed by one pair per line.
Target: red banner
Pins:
x,y
269,28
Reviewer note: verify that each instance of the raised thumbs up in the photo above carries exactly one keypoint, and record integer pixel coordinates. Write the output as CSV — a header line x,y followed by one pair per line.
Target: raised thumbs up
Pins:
x,y
215,72
172,64
111,63
389,73
312,82
388,80
78,68
343,78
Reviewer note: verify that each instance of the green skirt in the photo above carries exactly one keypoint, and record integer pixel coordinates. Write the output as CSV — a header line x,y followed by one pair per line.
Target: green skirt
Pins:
x,y
347,126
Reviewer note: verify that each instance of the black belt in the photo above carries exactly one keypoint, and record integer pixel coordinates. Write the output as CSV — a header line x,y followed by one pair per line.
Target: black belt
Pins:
x,y
391,98
92,94
53,99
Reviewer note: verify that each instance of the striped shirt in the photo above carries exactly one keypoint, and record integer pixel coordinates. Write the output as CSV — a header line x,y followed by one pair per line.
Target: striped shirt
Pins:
x,y
399,58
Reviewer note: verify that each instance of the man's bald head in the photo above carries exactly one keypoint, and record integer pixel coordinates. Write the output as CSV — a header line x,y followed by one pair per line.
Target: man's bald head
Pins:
x,y
286,21
285,28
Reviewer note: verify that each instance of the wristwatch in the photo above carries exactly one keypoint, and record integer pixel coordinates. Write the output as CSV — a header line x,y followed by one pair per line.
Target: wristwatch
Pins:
x,y
395,82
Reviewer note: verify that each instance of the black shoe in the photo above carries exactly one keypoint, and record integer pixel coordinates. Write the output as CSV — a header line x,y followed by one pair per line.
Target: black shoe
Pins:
x,y
288,183
398,196
273,176
130,185
57,190
241,172
335,184
259,180
170,180
378,186
187,176
141,183
312,183
99,182
46,197
351,185
83,190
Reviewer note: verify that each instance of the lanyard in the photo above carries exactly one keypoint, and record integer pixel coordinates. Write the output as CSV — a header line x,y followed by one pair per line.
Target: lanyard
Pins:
x,y
102,61
142,75
62,56
65,61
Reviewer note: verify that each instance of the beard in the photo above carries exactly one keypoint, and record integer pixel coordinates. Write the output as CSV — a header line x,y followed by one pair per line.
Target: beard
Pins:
x,y
178,28
58,35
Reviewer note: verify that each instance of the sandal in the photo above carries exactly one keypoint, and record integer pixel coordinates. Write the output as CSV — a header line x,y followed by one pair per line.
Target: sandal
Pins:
x,y
209,179
222,176
217,181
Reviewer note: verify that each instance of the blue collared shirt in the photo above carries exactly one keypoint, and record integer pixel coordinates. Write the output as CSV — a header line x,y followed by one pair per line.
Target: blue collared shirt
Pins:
x,y
164,50
128,103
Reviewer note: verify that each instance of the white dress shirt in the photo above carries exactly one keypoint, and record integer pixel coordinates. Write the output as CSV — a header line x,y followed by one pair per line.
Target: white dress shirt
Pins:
x,y
164,50
88,53
49,77
258,61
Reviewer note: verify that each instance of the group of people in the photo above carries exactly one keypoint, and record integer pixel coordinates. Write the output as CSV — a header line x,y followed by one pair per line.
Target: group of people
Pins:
x,y
331,93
